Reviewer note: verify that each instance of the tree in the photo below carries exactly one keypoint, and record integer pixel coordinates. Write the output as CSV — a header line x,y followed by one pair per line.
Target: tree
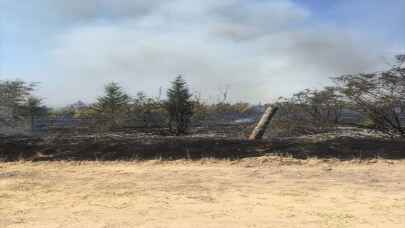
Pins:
x,y
200,111
13,97
310,111
150,111
323,107
380,96
179,106
114,105
34,108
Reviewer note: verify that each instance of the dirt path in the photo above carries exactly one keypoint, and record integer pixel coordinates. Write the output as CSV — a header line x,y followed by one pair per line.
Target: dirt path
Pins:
x,y
251,193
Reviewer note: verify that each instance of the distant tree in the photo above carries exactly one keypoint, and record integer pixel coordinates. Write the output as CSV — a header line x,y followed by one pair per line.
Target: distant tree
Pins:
x,y
142,108
34,108
179,106
150,111
200,111
13,97
114,105
323,107
309,111
78,109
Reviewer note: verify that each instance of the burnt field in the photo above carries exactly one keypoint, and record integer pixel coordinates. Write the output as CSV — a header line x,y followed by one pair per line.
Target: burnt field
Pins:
x,y
222,142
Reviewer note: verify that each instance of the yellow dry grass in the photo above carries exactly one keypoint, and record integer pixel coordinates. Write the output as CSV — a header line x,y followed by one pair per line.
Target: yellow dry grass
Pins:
x,y
261,192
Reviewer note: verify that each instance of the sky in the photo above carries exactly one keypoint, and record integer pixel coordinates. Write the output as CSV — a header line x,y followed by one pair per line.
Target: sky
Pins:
x,y
258,50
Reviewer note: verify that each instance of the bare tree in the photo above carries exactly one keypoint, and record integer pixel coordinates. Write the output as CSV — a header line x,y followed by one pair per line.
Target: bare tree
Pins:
x,y
380,96
310,111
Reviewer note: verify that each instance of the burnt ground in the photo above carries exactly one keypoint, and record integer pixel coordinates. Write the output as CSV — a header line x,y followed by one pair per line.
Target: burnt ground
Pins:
x,y
223,143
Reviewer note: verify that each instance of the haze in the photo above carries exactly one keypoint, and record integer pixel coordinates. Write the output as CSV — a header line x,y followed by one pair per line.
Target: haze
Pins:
x,y
258,49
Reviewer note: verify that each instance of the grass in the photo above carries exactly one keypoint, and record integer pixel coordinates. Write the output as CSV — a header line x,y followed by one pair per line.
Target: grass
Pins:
x,y
270,191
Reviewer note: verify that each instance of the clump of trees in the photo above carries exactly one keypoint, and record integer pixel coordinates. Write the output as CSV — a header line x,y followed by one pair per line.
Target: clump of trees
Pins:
x,y
178,112
17,103
378,97
149,111
310,111
116,108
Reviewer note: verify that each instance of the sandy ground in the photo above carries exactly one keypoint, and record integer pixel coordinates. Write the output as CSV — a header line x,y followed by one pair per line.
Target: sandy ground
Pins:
x,y
263,192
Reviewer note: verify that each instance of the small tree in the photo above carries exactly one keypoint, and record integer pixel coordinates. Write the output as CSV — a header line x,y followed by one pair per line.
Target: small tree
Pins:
x,y
114,105
179,106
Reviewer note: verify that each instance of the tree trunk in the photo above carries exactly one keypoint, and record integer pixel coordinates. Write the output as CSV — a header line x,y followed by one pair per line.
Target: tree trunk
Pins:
x,y
261,127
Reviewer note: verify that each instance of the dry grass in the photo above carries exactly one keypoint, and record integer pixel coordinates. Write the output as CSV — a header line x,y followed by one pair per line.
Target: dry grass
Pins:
x,y
260,192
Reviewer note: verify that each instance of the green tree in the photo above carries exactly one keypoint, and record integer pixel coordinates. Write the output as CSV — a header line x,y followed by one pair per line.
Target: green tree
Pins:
x,y
179,106
114,105
13,97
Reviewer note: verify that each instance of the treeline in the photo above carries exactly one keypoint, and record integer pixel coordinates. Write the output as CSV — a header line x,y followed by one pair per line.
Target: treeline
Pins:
x,y
377,99
180,110
118,109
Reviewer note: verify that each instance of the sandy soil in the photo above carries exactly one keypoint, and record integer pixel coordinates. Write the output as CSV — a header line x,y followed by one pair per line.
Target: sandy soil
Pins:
x,y
261,192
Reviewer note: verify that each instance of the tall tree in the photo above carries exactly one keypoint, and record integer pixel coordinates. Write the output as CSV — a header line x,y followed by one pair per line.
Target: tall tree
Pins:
x,y
114,104
179,106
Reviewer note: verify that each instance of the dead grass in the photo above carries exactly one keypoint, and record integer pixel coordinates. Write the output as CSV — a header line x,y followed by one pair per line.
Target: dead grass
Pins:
x,y
256,192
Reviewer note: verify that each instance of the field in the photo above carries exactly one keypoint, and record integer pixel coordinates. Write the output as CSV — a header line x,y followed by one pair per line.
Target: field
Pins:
x,y
268,191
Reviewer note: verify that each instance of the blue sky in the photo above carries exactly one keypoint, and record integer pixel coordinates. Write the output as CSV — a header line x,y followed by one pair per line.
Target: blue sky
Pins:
x,y
260,49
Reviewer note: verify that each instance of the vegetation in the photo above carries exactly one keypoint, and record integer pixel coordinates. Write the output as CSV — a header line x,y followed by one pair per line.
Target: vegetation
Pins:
x,y
377,99
379,96
179,106
150,112
17,102
113,106
310,111
33,109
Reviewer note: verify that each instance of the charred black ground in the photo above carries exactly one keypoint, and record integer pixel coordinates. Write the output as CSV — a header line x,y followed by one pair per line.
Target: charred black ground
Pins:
x,y
222,143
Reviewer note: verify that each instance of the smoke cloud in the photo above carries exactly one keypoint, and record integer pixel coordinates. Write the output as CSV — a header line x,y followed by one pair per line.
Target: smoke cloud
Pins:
x,y
259,49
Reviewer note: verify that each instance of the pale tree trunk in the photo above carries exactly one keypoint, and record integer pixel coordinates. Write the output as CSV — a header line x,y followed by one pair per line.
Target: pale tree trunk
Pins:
x,y
261,127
